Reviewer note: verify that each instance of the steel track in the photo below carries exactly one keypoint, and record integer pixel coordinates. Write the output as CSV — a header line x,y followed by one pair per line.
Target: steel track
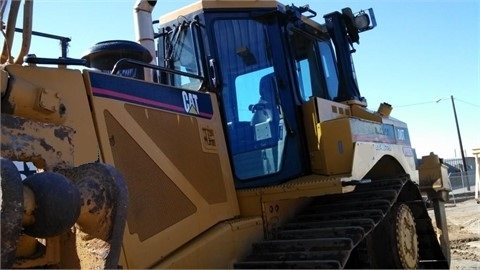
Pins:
x,y
336,231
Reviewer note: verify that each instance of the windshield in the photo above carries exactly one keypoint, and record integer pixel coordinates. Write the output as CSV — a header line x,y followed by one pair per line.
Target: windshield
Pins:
x,y
255,126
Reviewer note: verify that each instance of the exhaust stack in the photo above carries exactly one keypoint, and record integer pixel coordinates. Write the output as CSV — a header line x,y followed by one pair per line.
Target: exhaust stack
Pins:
x,y
142,12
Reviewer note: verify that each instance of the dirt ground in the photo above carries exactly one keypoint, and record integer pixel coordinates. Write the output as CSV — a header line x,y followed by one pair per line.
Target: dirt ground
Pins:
x,y
463,219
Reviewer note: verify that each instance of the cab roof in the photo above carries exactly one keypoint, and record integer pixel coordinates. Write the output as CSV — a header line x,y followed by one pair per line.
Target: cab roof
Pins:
x,y
230,4
224,4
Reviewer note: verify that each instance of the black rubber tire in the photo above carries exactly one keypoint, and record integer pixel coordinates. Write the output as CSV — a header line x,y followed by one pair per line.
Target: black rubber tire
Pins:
x,y
57,204
11,211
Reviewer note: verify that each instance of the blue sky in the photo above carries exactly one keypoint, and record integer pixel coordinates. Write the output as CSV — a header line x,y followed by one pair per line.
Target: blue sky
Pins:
x,y
420,52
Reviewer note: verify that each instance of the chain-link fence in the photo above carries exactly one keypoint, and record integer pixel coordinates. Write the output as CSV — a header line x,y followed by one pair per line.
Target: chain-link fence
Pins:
x,y
462,182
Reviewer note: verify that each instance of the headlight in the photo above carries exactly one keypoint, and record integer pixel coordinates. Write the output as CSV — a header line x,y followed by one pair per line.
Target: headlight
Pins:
x,y
362,21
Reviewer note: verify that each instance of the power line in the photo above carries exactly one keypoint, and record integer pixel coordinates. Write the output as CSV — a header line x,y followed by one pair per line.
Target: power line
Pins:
x,y
471,104
414,104
436,101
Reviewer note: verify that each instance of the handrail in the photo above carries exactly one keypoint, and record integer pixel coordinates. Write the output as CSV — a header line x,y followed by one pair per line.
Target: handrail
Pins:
x,y
122,61
10,31
32,59
27,31
63,40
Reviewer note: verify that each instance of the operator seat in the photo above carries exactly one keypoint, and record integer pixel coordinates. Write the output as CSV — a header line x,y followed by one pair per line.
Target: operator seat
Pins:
x,y
257,145
265,119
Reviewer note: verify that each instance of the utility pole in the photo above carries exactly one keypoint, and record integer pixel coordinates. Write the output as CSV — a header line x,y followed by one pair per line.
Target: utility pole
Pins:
x,y
461,145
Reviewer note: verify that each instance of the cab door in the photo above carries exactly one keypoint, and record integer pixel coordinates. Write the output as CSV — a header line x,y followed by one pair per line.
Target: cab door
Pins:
x,y
259,103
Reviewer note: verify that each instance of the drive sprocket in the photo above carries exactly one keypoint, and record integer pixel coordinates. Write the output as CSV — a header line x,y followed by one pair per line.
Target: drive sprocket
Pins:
x,y
406,236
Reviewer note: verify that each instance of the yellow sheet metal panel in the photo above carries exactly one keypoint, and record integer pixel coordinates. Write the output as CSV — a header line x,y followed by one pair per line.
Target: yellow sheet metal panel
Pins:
x,y
363,113
252,201
48,146
433,174
151,191
175,163
336,147
56,96
332,129
219,247
316,111
313,132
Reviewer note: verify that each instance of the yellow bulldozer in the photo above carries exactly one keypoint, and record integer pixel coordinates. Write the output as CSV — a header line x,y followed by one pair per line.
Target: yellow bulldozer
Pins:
x,y
231,134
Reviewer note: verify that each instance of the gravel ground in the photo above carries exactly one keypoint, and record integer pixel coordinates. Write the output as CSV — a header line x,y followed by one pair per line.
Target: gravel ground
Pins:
x,y
463,219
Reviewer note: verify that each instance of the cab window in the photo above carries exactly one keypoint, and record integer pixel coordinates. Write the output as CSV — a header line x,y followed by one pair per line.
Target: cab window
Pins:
x,y
315,66
254,119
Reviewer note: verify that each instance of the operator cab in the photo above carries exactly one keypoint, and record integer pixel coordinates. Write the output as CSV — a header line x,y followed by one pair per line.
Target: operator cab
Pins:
x,y
264,60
